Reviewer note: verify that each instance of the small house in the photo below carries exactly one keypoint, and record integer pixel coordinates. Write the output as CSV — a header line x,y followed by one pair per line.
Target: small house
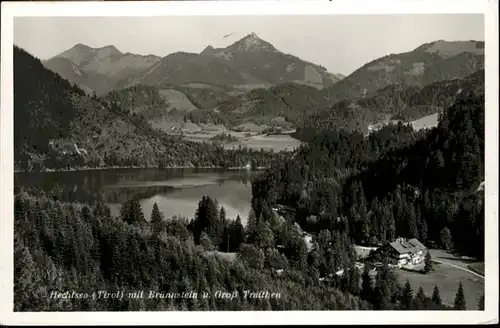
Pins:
x,y
404,252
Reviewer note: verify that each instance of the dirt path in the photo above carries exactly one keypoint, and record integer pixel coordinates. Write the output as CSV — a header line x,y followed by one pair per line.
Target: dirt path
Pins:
x,y
458,267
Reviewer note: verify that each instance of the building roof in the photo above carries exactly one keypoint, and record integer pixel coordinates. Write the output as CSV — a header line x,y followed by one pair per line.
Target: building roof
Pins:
x,y
403,246
415,242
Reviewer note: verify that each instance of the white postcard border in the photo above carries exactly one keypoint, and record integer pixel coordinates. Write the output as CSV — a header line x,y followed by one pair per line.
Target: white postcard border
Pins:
x,y
25,9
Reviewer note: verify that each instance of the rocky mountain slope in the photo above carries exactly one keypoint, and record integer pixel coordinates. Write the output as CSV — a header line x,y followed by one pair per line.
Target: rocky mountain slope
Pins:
x,y
261,59
98,69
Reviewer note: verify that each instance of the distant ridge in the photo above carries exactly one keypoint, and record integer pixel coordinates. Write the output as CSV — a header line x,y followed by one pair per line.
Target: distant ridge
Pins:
x,y
246,63
102,67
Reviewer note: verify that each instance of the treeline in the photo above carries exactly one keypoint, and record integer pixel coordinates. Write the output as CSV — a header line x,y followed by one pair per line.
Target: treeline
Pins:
x,y
81,248
396,182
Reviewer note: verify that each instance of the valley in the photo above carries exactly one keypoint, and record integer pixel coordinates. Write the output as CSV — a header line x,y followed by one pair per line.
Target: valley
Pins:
x,y
278,91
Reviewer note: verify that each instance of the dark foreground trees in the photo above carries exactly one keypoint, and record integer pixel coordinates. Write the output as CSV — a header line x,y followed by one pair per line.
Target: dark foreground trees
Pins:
x,y
61,246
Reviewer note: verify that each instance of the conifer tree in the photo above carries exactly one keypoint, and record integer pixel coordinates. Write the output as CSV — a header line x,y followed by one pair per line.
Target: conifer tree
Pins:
x,y
429,265
156,219
366,285
238,234
412,222
391,226
407,296
460,298
446,239
385,286
222,216
423,230
420,299
366,230
131,212
436,298
207,220
354,280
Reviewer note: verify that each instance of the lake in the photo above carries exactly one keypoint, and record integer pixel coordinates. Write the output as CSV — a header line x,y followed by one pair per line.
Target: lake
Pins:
x,y
176,191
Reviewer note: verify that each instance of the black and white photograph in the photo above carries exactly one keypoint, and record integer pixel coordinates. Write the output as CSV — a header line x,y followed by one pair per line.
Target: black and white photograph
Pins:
x,y
249,161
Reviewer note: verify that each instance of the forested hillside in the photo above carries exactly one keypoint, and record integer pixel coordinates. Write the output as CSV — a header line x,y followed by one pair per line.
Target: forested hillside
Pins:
x,y
288,100
394,183
394,102
312,110
140,99
429,63
57,126
83,249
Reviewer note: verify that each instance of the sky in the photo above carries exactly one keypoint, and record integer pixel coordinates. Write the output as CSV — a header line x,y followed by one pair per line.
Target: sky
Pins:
x,y
340,43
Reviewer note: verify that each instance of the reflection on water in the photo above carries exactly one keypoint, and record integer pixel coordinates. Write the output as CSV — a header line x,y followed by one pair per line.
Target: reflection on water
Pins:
x,y
176,191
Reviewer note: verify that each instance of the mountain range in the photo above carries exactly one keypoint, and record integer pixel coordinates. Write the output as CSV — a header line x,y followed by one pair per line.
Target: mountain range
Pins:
x,y
110,102
246,64
250,80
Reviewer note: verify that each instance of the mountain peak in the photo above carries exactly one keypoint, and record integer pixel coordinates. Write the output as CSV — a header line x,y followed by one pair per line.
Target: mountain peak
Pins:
x,y
81,46
252,35
209,50
251,42
109,50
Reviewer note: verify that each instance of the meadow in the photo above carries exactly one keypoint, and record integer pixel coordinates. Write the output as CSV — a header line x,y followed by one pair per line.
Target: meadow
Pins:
x,y
446,275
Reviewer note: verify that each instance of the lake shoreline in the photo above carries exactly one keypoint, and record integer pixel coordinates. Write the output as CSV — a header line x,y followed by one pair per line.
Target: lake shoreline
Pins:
x,y
177,192
232,168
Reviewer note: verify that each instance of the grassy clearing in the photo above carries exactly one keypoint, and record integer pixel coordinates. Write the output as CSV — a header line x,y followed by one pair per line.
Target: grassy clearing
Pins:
x,y
477,267
426,122
203,133
447,277
230,257
274,143
461,261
